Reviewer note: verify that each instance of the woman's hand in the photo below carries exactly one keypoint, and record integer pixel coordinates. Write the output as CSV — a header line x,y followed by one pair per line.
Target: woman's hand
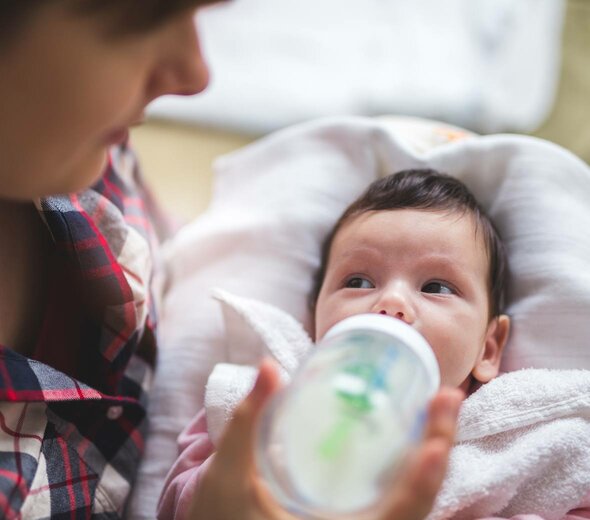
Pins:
x,y
232,490
413,494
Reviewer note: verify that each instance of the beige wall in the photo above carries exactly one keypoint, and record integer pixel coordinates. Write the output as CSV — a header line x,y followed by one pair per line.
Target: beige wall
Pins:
x,y
176,160
569,122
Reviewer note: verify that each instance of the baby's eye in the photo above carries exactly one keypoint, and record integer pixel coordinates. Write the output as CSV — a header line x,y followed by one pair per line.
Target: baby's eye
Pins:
x,y
438,288
359,283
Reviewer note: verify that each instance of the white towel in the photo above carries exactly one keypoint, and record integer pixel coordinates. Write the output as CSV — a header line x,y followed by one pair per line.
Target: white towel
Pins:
x,y
254,330
523,446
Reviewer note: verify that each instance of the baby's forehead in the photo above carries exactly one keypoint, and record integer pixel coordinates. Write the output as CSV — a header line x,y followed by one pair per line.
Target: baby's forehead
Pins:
x,y
454,220
420,232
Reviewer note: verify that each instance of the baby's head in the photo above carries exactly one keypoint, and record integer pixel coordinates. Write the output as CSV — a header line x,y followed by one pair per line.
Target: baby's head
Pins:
x,y
417,246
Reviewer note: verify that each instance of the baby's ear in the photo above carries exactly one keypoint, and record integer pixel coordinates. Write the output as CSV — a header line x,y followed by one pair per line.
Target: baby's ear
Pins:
x,y
488,364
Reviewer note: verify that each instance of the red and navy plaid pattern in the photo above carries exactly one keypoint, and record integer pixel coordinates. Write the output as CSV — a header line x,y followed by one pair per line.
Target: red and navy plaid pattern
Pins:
x,y
73,416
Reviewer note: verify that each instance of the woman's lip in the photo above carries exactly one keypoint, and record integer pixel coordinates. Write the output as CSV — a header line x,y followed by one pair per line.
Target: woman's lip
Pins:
x,y
118,136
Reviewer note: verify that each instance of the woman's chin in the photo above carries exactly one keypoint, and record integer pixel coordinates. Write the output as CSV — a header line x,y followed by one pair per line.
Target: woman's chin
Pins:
x,y
79,176
87,174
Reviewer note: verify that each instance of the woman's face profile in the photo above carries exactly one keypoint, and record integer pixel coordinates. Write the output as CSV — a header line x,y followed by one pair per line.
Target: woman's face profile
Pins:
x,y
69,89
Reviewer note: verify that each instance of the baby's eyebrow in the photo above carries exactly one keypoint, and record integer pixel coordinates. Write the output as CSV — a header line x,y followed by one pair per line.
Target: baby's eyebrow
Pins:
x,y
364,249
355,256
449,264
441,259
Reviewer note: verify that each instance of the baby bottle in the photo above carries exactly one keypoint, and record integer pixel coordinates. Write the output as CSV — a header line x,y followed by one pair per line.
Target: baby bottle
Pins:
x,y
330,443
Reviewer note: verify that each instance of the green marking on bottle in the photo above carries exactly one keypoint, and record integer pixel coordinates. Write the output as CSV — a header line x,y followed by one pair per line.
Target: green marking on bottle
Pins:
x,y
331,447
355,406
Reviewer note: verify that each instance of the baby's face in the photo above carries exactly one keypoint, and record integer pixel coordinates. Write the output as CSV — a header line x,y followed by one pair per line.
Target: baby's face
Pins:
x,y
427,268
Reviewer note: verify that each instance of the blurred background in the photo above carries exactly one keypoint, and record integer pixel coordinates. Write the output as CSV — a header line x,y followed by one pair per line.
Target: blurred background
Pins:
x,y
492,66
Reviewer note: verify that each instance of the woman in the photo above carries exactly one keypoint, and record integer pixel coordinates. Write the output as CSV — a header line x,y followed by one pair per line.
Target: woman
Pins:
x,y
77,316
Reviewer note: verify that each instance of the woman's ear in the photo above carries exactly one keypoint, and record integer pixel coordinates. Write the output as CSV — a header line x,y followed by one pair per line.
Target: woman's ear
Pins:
x,y
488,364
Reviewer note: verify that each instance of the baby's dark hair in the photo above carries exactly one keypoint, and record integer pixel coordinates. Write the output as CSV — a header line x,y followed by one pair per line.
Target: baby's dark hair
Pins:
x,y
428,190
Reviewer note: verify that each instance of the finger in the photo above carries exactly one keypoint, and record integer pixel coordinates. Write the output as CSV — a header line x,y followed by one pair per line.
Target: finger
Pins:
x,y
227,491
419,483
442,414
235,454
416,490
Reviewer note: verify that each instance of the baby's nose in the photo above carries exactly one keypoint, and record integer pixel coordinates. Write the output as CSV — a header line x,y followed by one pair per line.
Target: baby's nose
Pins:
x,y
397,305
399,314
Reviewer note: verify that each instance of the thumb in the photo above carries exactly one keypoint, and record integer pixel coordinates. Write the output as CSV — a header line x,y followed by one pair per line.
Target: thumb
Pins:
x,y
236,448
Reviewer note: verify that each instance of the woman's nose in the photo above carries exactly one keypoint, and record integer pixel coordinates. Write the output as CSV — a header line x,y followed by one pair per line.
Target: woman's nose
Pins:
x,y
397,305
182,69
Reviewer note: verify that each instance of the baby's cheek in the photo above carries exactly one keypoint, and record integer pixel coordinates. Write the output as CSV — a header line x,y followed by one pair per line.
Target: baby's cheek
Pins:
x,y
454,367
330,312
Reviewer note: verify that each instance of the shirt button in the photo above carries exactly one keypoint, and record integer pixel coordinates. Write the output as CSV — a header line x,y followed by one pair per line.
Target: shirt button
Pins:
x,y
114,412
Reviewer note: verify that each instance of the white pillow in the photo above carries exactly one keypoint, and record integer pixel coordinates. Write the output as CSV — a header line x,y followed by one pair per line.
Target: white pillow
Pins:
x,y
274,202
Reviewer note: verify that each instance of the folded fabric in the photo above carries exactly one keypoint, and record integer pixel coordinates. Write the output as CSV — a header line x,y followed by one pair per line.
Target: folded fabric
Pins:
x,y
254,330
523,447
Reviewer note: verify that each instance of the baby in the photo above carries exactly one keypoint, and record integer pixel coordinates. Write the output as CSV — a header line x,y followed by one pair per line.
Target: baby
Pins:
x,y
415,246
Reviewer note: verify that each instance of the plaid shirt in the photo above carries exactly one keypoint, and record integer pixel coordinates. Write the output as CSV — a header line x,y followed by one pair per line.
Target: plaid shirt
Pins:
x,y
73,416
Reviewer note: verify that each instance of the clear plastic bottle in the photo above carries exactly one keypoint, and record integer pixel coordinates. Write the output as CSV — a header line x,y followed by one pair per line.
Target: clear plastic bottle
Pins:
x,y
330,443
